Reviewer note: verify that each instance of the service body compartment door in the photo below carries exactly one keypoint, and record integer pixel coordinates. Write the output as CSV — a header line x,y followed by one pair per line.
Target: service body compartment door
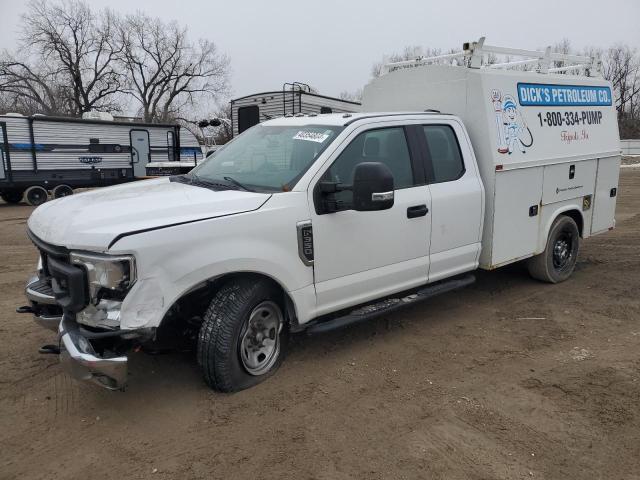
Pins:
x,y
604,204
516,221
564,181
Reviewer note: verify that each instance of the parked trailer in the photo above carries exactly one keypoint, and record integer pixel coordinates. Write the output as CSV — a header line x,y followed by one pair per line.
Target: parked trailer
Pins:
x,y
630,147
294,99
42,155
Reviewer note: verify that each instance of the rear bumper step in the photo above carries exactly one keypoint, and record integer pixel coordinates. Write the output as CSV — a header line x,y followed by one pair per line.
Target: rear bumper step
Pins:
x,y
373,310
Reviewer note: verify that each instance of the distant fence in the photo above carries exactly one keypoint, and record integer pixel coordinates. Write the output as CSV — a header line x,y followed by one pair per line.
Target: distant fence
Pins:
x,y
630,147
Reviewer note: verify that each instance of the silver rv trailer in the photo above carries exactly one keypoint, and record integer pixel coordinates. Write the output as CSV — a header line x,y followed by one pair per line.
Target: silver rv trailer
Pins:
x,y
41,155
294,99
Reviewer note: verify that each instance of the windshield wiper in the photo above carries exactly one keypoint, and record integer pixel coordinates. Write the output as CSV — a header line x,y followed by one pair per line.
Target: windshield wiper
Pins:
x,y
238,184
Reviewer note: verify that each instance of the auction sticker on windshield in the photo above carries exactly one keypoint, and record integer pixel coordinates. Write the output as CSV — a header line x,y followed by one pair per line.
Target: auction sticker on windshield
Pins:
x,y
311,136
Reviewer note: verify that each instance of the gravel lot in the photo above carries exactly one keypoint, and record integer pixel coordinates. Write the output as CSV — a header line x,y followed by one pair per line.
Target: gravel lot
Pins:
x,y
507,379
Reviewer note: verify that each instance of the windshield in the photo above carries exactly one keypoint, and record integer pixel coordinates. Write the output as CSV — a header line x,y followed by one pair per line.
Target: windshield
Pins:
x,y
271,158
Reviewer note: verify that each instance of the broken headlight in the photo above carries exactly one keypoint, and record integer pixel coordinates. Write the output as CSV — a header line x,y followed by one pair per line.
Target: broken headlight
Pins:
x,y
109,278
107,275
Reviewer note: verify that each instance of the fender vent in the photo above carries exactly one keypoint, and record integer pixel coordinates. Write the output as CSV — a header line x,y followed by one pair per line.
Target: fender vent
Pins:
x,y
305,242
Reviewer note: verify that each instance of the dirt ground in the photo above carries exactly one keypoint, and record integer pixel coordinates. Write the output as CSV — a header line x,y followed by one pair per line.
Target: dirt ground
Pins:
x,y
507,379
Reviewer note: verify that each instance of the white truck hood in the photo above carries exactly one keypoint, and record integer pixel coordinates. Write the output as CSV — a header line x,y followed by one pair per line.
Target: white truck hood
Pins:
x,y
92,220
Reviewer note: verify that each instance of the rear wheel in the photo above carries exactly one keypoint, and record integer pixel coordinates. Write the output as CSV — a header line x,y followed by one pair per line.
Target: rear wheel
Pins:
x,y
12,196
243,337
62,191
558,260
36,195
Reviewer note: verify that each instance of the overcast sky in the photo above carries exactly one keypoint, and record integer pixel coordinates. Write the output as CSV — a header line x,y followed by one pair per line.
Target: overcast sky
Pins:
x,y
331,44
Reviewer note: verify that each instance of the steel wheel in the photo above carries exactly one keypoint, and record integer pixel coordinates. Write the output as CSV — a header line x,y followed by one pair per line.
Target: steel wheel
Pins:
x,y
62,191
260,341
36,195
562,251
558,260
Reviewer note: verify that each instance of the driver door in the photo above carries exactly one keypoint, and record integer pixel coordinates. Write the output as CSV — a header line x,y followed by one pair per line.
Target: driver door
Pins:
x,y
360,256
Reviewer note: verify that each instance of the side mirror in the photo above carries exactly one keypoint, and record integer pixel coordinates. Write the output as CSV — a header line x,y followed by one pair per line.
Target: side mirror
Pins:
x,y
372,187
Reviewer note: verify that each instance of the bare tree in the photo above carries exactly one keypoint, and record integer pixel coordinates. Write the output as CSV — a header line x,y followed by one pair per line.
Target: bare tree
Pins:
x,y
621,66
166,71
75,48
28,88
354,96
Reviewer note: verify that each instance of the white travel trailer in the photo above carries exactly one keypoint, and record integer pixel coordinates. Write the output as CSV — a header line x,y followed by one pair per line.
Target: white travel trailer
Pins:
x,y
41,155
294,99
546,140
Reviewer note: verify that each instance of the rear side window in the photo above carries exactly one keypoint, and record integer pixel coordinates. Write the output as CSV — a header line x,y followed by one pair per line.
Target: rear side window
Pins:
x,y
444,152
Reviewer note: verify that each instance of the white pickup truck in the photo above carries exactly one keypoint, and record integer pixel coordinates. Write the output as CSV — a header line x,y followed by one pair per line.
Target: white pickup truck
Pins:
x,y
316,222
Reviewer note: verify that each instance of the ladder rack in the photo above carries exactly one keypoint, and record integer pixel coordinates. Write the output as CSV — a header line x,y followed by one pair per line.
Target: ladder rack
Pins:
x,y
477,55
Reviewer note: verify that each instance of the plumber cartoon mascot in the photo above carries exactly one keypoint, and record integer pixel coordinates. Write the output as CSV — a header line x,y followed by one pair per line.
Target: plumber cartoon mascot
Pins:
x,y
511,125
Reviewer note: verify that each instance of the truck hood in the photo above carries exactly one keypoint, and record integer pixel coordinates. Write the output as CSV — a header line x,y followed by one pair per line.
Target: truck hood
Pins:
x,y
92,220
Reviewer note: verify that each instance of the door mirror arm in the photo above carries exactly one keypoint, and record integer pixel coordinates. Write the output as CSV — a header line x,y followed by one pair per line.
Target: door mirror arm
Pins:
x,y
327,190
373,189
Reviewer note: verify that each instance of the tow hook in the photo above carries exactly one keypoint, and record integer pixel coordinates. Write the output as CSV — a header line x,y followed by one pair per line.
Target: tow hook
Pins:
x,y
49,350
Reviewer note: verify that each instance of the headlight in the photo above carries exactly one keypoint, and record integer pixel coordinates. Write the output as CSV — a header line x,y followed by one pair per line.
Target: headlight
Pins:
x,y
108,276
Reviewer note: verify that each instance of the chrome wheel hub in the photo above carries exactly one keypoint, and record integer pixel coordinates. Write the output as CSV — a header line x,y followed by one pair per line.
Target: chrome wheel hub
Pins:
x,y
561,252
260,341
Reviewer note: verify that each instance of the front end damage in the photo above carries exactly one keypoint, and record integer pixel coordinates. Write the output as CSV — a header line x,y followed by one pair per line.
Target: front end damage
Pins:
x,y
80,357
66,297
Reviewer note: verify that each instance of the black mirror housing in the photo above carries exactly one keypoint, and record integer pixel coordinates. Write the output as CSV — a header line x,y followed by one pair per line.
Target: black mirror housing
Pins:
x,y
372,187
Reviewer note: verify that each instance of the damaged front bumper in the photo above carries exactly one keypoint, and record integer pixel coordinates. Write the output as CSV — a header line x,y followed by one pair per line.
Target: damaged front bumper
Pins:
x,y
46,312
81,361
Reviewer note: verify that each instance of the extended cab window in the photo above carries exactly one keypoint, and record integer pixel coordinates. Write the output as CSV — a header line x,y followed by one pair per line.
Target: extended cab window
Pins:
x,y
444,152
386,145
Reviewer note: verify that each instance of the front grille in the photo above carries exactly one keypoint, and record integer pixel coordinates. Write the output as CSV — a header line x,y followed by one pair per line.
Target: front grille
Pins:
x,y
66,282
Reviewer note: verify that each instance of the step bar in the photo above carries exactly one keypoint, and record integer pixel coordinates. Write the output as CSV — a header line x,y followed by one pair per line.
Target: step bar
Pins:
x,y
389,305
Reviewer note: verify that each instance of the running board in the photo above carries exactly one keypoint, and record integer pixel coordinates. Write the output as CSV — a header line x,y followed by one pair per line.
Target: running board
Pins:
x,y
373,310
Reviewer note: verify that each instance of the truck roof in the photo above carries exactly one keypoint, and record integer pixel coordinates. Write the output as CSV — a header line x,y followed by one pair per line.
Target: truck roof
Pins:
x,y
344,119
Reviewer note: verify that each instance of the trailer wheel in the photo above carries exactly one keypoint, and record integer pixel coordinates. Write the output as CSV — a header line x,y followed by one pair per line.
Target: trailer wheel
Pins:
x,y
62,191
12,196
558,260
36,195
242,338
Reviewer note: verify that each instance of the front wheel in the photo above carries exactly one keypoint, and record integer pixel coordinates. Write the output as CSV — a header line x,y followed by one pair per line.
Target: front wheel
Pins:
x,y
558,260
243,337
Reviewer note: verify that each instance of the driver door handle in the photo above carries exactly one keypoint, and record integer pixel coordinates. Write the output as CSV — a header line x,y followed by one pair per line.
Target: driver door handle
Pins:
x,y
417,211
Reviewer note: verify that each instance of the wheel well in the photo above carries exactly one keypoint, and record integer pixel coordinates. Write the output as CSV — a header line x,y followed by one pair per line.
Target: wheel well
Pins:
x,y
185,315
577,217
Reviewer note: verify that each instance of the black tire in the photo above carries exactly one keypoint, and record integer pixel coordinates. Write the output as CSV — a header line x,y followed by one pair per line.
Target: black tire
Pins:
x,y
12,196
62,191
225,332
36,195
558,260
